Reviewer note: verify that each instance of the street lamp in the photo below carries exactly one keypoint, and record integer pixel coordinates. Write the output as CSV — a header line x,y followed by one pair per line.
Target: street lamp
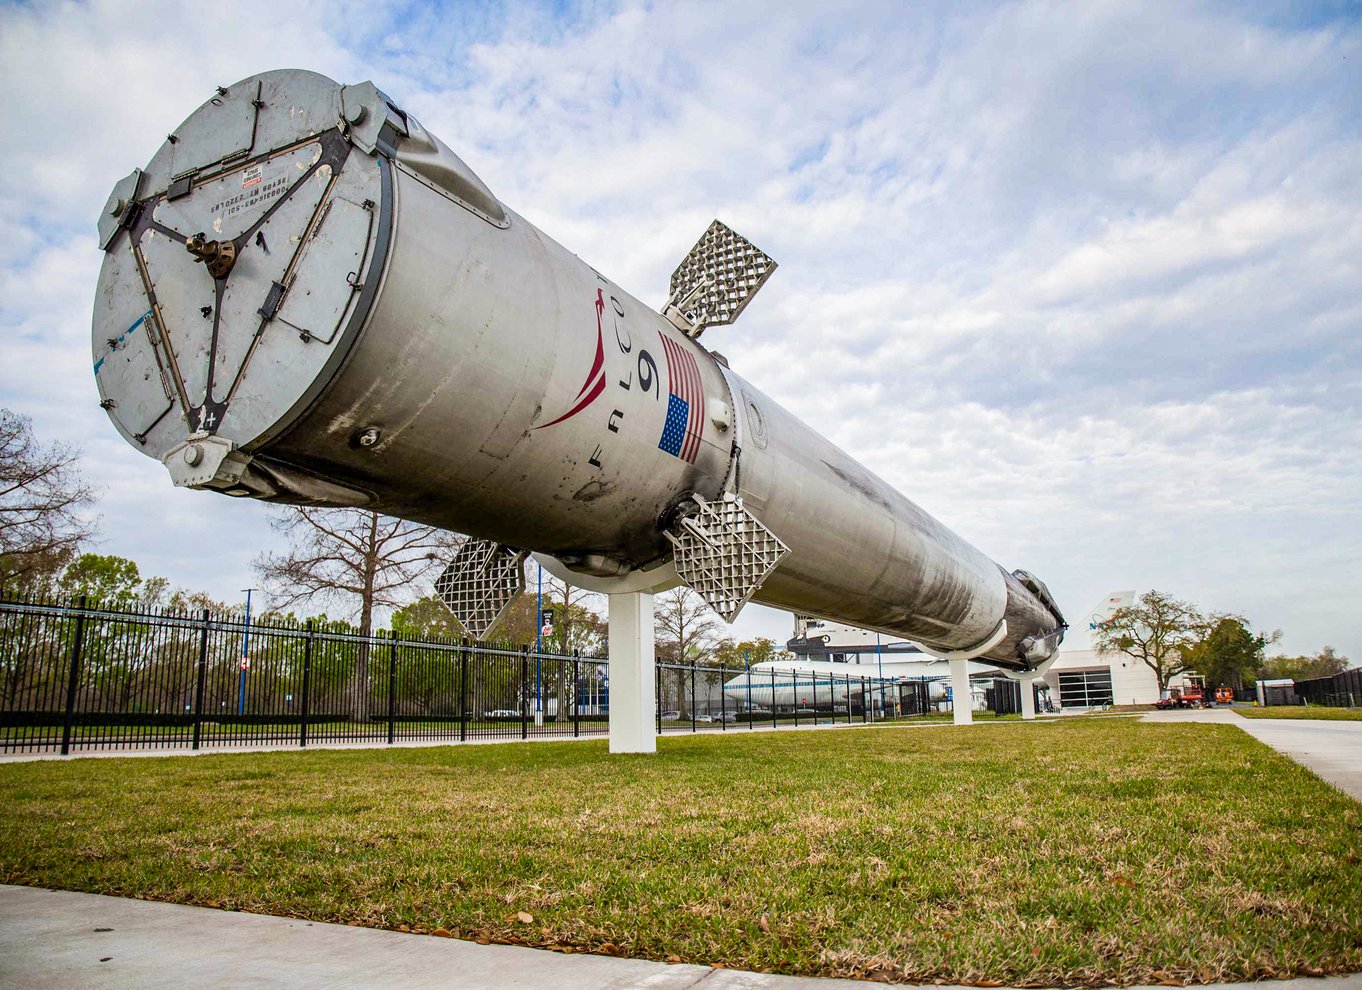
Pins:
x,y
879,660
539,651
747,663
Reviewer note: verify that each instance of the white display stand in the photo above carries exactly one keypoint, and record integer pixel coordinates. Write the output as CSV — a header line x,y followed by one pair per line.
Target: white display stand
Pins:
x,y
1028,693
633,672
962,702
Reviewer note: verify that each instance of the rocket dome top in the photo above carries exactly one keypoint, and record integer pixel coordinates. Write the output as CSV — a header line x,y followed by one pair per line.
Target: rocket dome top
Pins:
x,y
234,265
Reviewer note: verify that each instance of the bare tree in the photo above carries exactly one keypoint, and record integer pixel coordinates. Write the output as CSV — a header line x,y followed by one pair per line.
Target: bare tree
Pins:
x,y
358,559
1158,630
686,632
41,497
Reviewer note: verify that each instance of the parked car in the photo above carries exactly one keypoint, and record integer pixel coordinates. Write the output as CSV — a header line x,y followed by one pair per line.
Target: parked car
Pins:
x,y
670,715
501,713
706,718
725,717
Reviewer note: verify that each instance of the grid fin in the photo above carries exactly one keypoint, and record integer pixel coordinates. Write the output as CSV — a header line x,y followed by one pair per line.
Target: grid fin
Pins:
x,y
480,582
719,277
724,553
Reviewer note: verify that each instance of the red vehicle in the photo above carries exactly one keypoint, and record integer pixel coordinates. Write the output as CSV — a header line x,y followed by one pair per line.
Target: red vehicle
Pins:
x,y
1187,696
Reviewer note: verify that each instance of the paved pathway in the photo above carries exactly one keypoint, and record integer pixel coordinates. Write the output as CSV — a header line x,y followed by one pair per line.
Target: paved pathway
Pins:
x,y
55,940
1331,749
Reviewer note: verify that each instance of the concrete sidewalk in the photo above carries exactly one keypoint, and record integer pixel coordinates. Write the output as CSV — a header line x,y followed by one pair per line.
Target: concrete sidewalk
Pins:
x,y
55,940
1331,749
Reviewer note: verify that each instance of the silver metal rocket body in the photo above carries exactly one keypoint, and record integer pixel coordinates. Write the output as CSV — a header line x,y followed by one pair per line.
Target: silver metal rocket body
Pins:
x,y
307,298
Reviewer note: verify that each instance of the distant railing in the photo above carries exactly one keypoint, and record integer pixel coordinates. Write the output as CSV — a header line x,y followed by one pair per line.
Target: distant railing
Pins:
x,y
75,676
1342,690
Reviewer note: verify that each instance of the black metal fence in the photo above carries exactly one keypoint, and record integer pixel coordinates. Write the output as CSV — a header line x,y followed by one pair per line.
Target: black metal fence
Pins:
x,y
1342,690
691,697
75,676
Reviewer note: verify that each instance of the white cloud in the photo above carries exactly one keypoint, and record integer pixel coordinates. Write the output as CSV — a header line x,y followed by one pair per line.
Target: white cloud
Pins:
x,y
1080,280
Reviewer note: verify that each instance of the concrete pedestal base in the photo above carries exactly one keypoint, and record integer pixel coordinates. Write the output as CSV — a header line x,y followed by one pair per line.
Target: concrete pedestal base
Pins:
x,y
633,672
962,702
1028,697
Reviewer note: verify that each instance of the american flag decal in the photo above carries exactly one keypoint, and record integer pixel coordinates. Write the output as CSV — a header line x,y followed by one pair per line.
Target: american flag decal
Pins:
x,y
685,403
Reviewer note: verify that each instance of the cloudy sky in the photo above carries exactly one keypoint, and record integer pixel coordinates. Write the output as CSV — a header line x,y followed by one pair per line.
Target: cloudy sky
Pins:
x,y
1083,280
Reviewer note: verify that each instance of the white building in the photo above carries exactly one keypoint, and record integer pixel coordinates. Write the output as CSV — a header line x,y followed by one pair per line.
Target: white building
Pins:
x,y
1083,678
1079,678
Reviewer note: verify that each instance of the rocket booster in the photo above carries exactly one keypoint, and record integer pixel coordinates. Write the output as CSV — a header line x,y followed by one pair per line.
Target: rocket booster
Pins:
x,y
308,298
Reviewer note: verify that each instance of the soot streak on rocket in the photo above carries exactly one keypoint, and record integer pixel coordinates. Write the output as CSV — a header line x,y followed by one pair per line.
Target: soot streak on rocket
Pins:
x,y
860,485
592,490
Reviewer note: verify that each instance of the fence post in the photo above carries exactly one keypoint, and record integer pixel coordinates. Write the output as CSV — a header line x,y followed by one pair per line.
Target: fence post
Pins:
x,y
307,684
773,697
524,692
848,680
73,682
751,713
723,698
201,681
463,691
692,696
657,696
576,696
392,686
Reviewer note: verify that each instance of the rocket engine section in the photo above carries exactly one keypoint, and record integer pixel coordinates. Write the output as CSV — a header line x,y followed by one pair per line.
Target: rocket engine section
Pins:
x,y
308,298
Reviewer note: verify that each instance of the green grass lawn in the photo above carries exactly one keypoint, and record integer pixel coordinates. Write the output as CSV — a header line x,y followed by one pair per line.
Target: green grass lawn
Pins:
x,y
1303,711
1076,851
94,735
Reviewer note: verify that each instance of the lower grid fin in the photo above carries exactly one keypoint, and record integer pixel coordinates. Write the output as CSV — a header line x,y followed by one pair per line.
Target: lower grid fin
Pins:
x,y
480,583
724,553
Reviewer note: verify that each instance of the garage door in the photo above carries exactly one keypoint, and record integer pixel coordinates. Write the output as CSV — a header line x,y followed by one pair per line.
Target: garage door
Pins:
x,y
1085,688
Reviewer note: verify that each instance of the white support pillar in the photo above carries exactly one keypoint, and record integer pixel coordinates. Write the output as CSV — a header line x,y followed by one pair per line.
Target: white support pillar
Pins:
x,y
1028,693
962,702
633,673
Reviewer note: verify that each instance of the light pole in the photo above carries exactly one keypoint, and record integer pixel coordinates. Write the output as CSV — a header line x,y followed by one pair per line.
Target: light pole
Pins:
x,y
748,664
245,656
879,661
539,651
